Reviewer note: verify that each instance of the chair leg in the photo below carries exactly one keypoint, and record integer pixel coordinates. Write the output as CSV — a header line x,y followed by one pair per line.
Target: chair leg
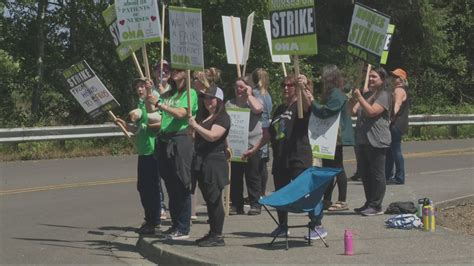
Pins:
x,y
322,239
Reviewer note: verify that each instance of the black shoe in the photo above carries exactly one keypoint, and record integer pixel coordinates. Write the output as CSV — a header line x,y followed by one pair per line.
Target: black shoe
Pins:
x,y
256,209
212,241
205,237
234,210
146,229
355,177
359,210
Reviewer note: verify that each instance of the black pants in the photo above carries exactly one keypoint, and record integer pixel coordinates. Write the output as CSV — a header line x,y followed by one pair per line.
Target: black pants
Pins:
x,y
263,175
341,178
252,178
371,167
148,186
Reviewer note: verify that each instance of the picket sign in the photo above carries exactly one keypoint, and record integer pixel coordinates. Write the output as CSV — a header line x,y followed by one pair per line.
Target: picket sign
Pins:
x,y
322,135
295,36
247,40
90,92
275,58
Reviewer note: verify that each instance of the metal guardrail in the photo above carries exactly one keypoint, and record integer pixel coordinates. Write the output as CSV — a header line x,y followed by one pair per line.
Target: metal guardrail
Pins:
x,y
17,135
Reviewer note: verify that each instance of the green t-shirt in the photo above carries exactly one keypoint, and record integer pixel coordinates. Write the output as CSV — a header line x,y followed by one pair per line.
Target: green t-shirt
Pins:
x,y
145,137
171,124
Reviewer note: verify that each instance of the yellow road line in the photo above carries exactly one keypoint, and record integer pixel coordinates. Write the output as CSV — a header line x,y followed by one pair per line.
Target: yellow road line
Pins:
x,y
63,186
444,153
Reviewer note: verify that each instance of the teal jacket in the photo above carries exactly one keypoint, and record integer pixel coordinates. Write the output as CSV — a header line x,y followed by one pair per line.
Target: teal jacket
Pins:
x,y
337,102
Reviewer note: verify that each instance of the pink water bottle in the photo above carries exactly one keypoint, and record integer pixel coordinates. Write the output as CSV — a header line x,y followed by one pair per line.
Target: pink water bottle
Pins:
x,y
348,248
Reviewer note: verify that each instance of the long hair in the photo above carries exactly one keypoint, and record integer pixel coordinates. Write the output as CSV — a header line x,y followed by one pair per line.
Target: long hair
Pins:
x,y
332,78
220,108
202,77
213,75
261,79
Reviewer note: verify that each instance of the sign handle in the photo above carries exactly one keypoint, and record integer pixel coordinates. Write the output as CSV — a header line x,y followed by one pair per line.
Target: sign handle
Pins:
x,y
299,90
366,83
236,49
145,61
113,117
188,88
284,69
137,64
162,50
359,72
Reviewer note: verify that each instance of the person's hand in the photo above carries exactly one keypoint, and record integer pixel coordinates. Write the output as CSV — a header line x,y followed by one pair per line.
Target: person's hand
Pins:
x,y
356,93
308,95
302,81
118,121
192,122
248,153
135,114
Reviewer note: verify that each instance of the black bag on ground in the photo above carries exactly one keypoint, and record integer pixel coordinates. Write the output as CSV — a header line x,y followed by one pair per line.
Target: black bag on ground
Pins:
x,y
401,207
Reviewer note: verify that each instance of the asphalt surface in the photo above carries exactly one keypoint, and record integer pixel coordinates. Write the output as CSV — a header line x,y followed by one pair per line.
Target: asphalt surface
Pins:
x,y
85,210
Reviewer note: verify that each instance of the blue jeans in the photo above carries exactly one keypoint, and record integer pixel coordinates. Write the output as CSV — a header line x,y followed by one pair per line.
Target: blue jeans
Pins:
x,y
395,156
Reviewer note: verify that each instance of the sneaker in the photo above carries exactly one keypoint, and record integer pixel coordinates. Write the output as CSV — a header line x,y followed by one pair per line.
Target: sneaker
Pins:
x,y
212,241
147,229
355,177
169,231
206,236
255,210
358,210
234,210
280,231
177,235
371,211
316,233
339,206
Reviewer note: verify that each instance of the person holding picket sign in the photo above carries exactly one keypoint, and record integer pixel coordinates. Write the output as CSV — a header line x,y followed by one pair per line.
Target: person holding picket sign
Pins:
x,y
333,102
250,168
373,138
148,182
210,167
292,153
174,152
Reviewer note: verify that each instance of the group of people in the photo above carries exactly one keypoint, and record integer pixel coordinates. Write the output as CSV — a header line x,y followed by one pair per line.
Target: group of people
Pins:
x,y
187,146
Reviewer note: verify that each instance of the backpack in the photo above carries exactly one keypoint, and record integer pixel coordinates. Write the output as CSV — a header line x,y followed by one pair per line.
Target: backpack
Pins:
x,y
401,207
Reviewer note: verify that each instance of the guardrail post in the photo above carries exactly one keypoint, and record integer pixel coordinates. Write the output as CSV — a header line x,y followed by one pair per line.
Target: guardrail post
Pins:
x,y
416,131
453,131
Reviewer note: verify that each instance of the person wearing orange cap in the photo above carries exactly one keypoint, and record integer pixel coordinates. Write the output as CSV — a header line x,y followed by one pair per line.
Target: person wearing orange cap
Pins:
x,y
398,127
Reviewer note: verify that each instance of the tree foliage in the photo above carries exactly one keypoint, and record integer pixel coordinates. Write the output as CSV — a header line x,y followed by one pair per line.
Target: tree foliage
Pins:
x,y
433,41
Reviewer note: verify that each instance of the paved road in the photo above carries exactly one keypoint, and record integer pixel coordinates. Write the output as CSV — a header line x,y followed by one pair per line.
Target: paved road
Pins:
x,y
70,211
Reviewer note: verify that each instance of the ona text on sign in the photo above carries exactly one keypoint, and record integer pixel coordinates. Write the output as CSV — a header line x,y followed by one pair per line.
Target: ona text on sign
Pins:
x,y
287,23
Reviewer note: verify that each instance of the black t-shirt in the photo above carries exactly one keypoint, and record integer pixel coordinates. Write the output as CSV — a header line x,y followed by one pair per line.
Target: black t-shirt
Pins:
x,y
202,146
289,137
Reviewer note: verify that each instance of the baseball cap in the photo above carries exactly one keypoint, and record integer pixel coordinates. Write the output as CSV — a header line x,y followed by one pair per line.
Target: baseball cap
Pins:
x,y
137,80
400,73
215,92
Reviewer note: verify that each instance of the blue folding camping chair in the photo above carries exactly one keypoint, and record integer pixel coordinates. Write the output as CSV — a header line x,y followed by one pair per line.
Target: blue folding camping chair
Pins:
x,y
303,194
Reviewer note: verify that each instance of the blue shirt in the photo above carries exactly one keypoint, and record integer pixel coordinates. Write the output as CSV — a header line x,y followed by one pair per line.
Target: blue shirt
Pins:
x,y
266,101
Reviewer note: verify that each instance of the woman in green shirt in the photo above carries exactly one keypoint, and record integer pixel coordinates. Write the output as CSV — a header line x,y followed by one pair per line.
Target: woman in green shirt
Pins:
x,y
174,152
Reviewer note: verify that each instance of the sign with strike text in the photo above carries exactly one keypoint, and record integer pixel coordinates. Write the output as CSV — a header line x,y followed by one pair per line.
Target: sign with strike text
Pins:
x,y
186,38
293,27
123,50
88,90
367,34
138,20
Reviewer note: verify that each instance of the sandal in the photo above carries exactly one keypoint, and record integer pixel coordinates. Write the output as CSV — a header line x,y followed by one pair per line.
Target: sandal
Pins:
x,y
339,206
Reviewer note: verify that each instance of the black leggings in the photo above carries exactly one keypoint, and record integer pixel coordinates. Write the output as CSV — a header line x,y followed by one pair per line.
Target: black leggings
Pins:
x,y
341,178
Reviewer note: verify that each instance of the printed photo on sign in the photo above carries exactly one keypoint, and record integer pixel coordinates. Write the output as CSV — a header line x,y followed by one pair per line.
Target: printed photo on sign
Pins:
x,y
238,138
186,38
138,20
323,136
